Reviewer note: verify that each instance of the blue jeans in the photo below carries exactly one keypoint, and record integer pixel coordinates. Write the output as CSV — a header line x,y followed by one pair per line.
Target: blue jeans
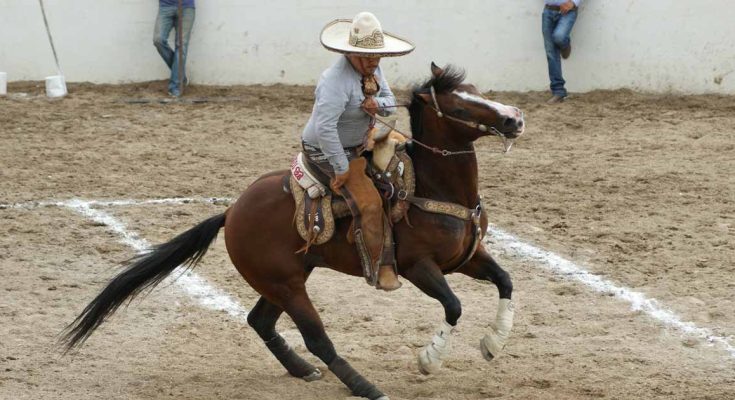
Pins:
x,y
556,29
165,22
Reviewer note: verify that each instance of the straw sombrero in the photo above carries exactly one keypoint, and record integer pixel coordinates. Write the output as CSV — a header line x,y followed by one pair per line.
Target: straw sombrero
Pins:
x,y
363,36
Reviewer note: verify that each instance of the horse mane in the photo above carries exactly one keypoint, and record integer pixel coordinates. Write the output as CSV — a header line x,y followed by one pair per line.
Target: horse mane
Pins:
x,y
450,78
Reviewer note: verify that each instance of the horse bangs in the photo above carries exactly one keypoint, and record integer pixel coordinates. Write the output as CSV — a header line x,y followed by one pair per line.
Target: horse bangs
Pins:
x,y
450,79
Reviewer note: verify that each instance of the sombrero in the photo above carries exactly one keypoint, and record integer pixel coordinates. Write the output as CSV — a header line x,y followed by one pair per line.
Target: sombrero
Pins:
x,y
363,36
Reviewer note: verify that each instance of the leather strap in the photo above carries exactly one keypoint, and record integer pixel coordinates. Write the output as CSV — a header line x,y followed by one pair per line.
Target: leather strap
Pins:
x,y
457,211
442,207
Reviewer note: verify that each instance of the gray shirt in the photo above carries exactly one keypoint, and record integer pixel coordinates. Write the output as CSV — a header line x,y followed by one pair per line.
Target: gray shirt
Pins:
x,y
337,121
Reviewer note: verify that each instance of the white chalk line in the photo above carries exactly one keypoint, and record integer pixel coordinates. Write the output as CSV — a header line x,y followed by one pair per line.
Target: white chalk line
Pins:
x,y
638,301
192,284
114,203
547,260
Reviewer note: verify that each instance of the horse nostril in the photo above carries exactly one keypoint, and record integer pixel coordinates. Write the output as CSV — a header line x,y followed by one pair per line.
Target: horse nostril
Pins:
x,y
510,123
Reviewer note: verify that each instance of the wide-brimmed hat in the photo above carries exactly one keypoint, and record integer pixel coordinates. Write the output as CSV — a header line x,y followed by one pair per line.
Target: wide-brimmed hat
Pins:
x,y
363,36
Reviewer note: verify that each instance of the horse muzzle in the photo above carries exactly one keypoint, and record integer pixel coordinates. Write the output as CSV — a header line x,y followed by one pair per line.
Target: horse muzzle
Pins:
x,y
513,127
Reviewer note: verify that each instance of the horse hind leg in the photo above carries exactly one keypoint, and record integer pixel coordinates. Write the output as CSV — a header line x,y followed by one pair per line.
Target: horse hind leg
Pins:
x,y
262,318
306,318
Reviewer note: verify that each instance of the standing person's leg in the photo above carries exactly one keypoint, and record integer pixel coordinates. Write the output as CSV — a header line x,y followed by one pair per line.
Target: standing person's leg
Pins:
x,y
187,22
164,23
563,30
549,20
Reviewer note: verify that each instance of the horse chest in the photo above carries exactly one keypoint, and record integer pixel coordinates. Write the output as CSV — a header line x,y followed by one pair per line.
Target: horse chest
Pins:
x,y
439,234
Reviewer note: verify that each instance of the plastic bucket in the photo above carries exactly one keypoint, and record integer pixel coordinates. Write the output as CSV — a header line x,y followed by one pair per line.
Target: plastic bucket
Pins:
x,y
55,86
3,83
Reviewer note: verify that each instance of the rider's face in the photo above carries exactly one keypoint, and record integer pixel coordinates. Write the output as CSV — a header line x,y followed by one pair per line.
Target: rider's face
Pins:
x,y
365,65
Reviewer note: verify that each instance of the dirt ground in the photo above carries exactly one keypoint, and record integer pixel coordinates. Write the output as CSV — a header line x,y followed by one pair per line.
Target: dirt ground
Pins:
x,y
635,188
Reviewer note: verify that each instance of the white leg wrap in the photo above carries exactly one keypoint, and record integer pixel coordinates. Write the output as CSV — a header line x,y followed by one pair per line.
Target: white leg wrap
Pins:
x,y
493,342
432,356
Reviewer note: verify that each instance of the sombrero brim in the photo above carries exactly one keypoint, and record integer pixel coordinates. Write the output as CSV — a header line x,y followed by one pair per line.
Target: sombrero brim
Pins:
x,y
335,37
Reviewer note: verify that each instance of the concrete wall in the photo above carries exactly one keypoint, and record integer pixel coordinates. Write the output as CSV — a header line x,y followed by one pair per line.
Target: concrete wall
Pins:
x,y
652,45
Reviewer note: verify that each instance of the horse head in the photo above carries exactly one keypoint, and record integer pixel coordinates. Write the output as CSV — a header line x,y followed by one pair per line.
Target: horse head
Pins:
x,y
460,111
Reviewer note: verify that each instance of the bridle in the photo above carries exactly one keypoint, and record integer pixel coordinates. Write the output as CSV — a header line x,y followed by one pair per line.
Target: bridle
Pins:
x,y
444,152
472,124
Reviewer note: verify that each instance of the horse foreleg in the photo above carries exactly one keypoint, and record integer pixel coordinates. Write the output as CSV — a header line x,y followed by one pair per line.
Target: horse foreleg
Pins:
x,y
306,318
262,318
482,266
427,276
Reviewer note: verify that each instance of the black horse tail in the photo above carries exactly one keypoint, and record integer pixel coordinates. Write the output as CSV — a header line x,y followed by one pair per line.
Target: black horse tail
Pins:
x,y
145,271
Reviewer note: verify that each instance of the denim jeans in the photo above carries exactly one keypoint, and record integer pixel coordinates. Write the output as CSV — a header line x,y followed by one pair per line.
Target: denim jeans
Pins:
x,y
556,29
165,22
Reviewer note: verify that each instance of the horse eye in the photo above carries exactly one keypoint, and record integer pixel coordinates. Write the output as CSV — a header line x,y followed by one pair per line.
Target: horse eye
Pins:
x,y
460,112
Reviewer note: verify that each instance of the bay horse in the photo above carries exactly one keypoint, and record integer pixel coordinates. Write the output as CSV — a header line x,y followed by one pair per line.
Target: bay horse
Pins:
x,y
447,116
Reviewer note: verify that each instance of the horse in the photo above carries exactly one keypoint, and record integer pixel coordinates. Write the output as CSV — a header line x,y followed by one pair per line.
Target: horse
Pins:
x,y
447,116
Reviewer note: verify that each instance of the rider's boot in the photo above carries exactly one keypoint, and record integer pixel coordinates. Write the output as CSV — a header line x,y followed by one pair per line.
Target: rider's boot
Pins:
x,y
369,232
387,278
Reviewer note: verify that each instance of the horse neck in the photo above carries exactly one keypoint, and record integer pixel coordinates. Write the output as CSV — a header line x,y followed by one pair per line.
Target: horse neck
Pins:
x,y
450,178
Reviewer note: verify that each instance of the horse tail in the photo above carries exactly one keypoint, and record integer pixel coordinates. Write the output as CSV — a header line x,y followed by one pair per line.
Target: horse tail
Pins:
x,y
144,271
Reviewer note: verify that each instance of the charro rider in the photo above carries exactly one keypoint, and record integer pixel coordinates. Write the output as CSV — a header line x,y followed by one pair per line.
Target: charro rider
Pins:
x,y
348,95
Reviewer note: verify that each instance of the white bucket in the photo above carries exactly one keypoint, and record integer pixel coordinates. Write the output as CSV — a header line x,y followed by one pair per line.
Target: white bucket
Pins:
x,y
3,83
55,86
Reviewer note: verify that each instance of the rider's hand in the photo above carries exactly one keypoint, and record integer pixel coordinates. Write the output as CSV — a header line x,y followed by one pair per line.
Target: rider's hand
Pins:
x,y
338,181
370,105
566,7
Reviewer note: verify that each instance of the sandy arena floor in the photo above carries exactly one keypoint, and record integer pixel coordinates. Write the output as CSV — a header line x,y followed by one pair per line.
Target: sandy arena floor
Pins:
x,y
637,189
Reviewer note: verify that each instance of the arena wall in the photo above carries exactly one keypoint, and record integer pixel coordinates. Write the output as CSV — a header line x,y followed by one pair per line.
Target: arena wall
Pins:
x,y
657,45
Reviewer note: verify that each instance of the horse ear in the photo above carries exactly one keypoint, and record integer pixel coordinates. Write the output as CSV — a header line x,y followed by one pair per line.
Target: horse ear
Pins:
x,y
435,70
425,97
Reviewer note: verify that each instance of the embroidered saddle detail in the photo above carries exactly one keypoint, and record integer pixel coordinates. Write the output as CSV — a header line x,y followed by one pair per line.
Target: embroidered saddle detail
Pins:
x,y
314,218
396,183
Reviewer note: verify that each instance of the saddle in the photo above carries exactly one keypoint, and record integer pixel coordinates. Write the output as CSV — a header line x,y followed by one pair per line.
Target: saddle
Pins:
x,y
390,169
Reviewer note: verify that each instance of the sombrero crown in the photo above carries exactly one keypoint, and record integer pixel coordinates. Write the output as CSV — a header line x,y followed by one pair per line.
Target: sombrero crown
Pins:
x,y
363,36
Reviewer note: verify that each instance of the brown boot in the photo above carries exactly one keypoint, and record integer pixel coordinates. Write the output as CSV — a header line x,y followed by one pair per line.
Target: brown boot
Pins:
x,y
370,209
387,278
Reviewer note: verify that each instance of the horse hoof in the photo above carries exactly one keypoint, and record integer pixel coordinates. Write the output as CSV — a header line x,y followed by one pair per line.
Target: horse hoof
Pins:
x,y
487,354
383,398
314,376
427,367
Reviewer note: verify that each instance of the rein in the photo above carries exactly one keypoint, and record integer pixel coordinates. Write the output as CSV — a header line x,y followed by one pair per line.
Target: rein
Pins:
x,y
507,143
435,150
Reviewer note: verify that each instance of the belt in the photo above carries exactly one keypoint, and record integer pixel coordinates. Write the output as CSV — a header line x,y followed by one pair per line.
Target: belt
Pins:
x,y
558,8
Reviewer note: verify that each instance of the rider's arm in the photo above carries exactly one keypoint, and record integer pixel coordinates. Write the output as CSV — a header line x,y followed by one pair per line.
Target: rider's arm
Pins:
x,y
331,100
385,98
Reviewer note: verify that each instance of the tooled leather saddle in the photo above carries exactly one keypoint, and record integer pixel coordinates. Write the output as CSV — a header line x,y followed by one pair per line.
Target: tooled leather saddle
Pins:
x,y
317,209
